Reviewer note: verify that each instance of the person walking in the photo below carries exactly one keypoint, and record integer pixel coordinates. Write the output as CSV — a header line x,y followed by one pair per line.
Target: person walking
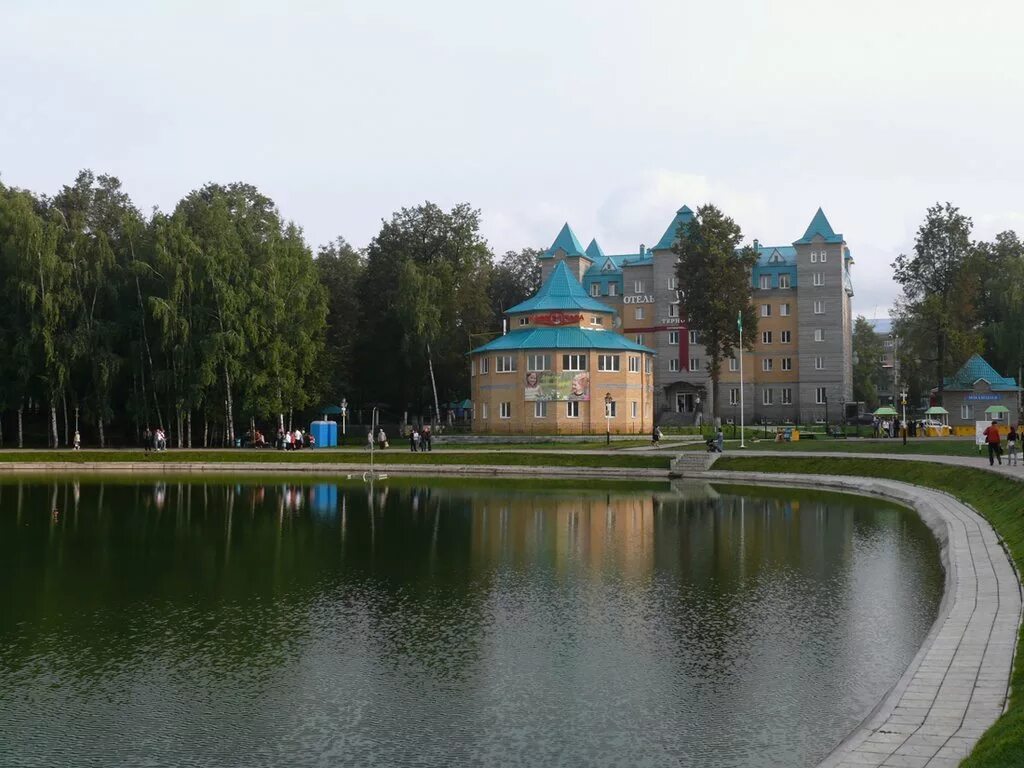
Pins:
x,y
77,441
369,439
147,439
720,440
428,437
1011,446
412,440
382,439
992,439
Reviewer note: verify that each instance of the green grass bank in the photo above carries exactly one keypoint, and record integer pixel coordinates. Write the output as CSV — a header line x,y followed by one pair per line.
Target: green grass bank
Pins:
x,y
999,500
392,456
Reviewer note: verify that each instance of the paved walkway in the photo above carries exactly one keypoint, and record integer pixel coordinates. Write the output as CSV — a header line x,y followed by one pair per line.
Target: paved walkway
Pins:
x,y
977,462
958,683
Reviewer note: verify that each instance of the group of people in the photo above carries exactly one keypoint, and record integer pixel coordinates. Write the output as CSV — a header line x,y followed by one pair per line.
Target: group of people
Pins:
x,y
154,439
420,440
380,440
293,440
896,428
994,441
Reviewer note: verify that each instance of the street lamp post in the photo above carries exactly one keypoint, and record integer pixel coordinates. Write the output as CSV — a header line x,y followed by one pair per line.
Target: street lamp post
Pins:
x,y
826,414
842,411
344,412
608,418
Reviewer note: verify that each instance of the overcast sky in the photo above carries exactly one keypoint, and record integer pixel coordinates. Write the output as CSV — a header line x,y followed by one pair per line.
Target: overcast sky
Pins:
x,y
607,114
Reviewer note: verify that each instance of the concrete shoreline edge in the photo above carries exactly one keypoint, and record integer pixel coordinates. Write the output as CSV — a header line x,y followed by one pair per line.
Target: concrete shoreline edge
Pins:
x,y
957,685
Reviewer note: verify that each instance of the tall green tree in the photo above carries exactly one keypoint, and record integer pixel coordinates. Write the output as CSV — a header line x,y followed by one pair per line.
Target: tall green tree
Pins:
x,y
425,292
340,267
715,282
516,277
936,315
868,348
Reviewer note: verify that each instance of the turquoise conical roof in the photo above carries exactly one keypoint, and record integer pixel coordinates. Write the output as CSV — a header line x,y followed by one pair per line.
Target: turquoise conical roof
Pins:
x,y
978,368
819,226
567,242
682,218
595,251
560,291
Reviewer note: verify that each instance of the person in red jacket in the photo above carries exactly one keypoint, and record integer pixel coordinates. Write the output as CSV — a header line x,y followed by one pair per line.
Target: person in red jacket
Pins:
x,y
992,438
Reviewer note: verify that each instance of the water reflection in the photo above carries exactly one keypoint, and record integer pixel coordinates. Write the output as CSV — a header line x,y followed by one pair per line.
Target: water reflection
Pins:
x,y
430,624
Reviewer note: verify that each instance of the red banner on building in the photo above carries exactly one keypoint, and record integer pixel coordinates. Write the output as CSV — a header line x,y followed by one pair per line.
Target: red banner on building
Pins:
x,y
557,318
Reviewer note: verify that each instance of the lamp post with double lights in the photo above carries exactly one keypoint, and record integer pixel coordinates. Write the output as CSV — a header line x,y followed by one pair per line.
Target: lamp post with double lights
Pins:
x,y
608,418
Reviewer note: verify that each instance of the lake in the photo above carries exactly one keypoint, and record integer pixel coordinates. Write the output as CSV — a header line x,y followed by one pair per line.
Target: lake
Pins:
x,y
440,622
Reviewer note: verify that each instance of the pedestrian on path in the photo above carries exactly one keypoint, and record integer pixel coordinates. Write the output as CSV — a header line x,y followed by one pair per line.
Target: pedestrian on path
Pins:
x,y
1011,446
78,441
992,439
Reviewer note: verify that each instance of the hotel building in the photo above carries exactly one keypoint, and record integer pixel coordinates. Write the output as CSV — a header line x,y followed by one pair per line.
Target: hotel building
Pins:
x,y
800,367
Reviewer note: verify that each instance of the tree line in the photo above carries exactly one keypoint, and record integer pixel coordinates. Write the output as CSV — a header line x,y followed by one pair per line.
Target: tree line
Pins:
x,y
959,296
218,318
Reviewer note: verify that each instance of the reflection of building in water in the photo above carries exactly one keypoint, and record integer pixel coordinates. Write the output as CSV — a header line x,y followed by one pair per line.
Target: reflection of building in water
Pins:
x,y
595,530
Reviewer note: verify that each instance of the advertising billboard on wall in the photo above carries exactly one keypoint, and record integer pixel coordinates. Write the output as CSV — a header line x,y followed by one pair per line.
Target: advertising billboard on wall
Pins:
x,y
557,385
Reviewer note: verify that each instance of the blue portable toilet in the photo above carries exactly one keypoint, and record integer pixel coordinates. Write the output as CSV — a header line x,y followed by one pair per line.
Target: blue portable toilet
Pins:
x,y
321,431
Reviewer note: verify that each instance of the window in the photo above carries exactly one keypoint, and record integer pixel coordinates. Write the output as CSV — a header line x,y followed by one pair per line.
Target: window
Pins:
x,y
766,337
524,321
634,364
784,310
505,363
766,396
787,337
483,411
673,310
819,307
505,410
673,364
647,364
574,362
538,363
766,282
613,289
639,339
694,363
734,396
633,409
673,283
572,409
814,257
638,286
766,364
967,412
638,313
783,281
787,363
734,364
694,337
483,366
766,310
673,337
819,363
819,334
787,396
607,362
823,255
819,278
595,289
597,320
609,409
819,396
540,409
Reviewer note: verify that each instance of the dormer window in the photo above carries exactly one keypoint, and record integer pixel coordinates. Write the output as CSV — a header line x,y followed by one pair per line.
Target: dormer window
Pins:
x,y
814,257
609,266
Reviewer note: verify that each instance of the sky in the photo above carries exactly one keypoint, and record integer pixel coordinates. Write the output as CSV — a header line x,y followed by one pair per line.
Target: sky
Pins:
x,y
608,115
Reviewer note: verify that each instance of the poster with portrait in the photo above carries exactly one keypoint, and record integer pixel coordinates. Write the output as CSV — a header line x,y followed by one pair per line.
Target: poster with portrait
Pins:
x,y
557,385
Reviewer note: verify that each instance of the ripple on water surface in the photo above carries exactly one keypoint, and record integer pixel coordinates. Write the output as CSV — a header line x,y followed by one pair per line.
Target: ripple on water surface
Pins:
x,y
249,625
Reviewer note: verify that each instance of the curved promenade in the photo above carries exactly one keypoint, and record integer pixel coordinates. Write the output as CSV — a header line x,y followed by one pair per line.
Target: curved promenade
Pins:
x,y
958,683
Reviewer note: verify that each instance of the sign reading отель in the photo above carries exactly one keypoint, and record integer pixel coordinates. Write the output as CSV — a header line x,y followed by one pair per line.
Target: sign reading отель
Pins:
x,y
638,299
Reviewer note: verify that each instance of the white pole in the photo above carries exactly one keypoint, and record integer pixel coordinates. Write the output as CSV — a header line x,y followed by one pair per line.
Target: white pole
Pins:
x,y
742,444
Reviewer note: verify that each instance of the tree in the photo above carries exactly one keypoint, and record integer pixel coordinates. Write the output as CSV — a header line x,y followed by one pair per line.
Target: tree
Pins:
x,y
715,283
340,267
998,269
936,316
516,277
868,349
425,289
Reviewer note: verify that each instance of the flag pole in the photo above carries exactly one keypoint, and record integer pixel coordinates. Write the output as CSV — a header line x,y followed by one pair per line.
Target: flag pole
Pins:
x,y
739,322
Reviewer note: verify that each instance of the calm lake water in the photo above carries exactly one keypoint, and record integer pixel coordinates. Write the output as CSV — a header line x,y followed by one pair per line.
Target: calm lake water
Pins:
x,y
448,624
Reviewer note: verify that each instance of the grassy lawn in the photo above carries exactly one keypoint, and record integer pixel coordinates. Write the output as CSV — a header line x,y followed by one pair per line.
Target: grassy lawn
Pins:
x,y
391,456
997,499
934,447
